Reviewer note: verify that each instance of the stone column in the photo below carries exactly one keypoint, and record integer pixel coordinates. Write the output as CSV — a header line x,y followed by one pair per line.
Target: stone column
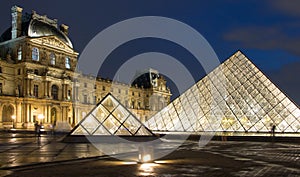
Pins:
x,y
18,114
30,87
45,89
49,89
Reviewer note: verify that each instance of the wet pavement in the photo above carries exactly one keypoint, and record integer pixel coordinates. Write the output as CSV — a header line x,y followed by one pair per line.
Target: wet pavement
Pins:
x,y
26,155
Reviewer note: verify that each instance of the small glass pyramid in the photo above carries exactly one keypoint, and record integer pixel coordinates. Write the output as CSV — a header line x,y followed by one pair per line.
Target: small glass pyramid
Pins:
x,y
234,97
110,117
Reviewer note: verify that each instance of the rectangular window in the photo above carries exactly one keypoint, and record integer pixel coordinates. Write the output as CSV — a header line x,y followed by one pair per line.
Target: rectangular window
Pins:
x,y
132,93
20,54
68,63
52,58
85,85
103,88
119,90
19,71
95,99
0,69
1,86
69,95
35,54
36,90
85,100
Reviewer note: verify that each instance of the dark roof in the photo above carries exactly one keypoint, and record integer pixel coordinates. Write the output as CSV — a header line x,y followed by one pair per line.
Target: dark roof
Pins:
x,y
145,80
37,28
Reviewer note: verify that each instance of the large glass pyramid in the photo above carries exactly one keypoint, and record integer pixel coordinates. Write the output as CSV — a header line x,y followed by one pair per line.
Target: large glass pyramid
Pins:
x,y
110,117
234,97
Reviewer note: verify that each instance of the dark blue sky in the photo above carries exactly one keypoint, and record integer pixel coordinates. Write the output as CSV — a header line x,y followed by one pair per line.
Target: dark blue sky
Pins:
x,y
268,32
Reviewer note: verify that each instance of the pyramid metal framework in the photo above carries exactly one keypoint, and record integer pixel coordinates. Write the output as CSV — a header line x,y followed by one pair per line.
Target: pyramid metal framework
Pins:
x,y
110,117
234,97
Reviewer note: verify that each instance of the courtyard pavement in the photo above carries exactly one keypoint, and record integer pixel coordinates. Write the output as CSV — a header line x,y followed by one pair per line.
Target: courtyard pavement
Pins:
x,y
27,155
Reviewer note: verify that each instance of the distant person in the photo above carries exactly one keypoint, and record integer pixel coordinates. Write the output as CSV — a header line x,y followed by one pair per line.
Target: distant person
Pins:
x,y
273,130
36,128
40,127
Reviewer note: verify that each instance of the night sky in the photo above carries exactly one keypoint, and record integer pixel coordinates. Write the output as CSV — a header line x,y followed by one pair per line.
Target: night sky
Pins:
x,y
267,32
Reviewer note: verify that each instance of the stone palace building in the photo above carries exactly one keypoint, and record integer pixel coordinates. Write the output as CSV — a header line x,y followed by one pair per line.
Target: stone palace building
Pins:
x,y
38,80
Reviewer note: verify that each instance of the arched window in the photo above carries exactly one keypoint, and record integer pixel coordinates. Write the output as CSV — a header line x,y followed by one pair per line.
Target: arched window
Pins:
x,y
7,112
52,58
53,116
68,63
54,92
35,54
20,53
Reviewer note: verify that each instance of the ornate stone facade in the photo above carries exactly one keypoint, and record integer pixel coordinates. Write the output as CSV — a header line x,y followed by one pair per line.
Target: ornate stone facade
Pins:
x,y
38,80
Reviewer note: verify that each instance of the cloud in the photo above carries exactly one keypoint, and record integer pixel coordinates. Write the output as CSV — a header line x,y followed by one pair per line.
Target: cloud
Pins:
x,y
287,7
265,38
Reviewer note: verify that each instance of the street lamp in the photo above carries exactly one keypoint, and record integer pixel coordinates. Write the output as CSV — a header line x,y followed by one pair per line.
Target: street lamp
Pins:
x,y
13,117
40,117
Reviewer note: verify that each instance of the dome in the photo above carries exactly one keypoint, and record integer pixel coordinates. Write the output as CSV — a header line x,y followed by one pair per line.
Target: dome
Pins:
x,y
38,28
146,79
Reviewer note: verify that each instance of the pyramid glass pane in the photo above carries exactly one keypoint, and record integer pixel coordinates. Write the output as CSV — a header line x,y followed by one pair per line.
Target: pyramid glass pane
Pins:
x,y
110,104
237,97
100,113
112,124
90,124
123,131
120,113
110,117
143,131
80,131
101,131
132,124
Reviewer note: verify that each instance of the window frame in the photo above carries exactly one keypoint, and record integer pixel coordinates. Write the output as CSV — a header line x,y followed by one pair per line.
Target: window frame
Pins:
x,y
35,54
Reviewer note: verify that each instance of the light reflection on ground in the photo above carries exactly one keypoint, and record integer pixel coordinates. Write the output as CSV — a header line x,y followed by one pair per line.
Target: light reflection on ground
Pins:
x,y
147,169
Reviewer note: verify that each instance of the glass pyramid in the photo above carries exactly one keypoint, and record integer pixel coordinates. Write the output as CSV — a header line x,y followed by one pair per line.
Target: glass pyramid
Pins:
x,y
110,117
234,97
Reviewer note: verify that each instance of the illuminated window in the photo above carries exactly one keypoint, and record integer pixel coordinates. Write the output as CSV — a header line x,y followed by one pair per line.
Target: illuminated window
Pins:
x,y
35,54
20,53
52,58
69,95
68,63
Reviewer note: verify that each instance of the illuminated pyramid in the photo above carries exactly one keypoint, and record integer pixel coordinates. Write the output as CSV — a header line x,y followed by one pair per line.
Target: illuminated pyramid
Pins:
x,y
110,117
234,97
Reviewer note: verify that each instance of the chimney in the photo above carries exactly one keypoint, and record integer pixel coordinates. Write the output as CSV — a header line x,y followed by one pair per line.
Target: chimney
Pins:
x,y
16,23
64,28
